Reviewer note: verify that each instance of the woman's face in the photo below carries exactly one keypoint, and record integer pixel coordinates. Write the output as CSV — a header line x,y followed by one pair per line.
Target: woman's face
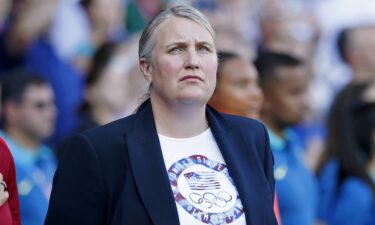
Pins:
x,y
237,91
109,90
184,63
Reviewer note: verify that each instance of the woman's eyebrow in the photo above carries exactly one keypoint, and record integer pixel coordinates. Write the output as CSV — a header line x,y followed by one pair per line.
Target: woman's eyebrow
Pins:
x,y
176,43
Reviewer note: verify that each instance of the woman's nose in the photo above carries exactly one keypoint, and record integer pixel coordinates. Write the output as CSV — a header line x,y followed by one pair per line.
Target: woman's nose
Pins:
x,y
192,59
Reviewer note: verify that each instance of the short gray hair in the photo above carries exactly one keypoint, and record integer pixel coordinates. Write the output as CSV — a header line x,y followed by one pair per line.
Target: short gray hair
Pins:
x,y
147,41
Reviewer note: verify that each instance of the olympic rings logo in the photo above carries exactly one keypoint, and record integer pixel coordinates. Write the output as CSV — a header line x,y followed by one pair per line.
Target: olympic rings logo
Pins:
x,y
209,199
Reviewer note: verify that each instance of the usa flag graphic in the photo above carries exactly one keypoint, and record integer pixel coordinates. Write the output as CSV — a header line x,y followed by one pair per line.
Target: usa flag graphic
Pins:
x,y
202,180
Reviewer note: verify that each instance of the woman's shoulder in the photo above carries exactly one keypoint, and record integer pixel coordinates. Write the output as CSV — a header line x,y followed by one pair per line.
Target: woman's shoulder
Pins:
x,y
351,187
358,191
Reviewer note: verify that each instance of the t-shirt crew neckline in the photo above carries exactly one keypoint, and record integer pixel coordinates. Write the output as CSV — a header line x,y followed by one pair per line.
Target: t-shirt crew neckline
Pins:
x,y
204,134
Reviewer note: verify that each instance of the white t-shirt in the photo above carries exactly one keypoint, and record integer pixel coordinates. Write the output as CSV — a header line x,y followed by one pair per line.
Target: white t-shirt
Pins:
x,y
202,187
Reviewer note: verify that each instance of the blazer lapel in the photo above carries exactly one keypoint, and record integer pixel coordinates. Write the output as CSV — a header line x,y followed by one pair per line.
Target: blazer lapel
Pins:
x,y
243,166
149,169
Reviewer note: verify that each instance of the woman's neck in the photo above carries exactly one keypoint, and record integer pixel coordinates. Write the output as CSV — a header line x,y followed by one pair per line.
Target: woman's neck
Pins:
x,y
179,120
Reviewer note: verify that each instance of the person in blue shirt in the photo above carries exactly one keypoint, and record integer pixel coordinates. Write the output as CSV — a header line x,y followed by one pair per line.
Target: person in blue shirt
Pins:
x,y
284,82
346,171
29,113
24,42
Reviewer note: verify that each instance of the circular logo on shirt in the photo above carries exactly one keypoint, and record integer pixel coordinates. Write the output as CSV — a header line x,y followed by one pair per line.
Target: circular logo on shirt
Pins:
x,y
204,189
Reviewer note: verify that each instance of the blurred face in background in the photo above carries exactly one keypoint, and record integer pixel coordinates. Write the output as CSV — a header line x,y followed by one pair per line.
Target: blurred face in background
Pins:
x,y
286,97
237,91
108,91
30,20
288,26
35,114
119,88
106,14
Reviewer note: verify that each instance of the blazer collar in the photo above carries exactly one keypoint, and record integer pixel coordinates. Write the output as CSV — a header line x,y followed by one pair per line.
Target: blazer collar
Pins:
x,y
243,165
152,179
148,165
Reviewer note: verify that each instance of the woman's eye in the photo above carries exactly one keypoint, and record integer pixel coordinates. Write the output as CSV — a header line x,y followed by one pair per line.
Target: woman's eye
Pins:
x,y
203,49
175,50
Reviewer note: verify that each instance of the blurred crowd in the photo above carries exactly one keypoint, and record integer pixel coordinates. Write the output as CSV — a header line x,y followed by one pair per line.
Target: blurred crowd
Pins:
x,y
305,68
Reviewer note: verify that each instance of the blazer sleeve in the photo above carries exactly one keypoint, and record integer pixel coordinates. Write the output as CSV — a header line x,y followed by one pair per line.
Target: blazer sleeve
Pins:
x,y
78,193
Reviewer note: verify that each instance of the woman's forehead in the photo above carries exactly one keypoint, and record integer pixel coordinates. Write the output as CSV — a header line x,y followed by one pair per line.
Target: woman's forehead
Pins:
x,y
181,29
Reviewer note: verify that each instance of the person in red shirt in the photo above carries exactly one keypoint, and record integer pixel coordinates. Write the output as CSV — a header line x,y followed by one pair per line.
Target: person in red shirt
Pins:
x,y
9,206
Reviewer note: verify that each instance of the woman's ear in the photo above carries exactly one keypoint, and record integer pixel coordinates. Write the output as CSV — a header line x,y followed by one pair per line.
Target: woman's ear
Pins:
x,y
146,69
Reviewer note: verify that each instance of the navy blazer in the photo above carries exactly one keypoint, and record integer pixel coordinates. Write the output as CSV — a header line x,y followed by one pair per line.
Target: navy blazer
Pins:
x,y
115,174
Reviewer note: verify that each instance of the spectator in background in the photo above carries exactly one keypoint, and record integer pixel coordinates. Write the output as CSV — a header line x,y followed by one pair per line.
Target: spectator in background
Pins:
x,y
356,47
237,91
285,84
345,185
291,27
113,89
25,44
106,19
28,118
331,72
347,165
9,206
288,26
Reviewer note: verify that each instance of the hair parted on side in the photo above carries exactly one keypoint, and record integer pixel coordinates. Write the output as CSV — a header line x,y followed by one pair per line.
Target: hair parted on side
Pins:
x,y
147,40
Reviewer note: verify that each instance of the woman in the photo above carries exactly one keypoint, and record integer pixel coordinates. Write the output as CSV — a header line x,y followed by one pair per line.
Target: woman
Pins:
x,y
176,161
9,206
347,191
237,91
112,89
